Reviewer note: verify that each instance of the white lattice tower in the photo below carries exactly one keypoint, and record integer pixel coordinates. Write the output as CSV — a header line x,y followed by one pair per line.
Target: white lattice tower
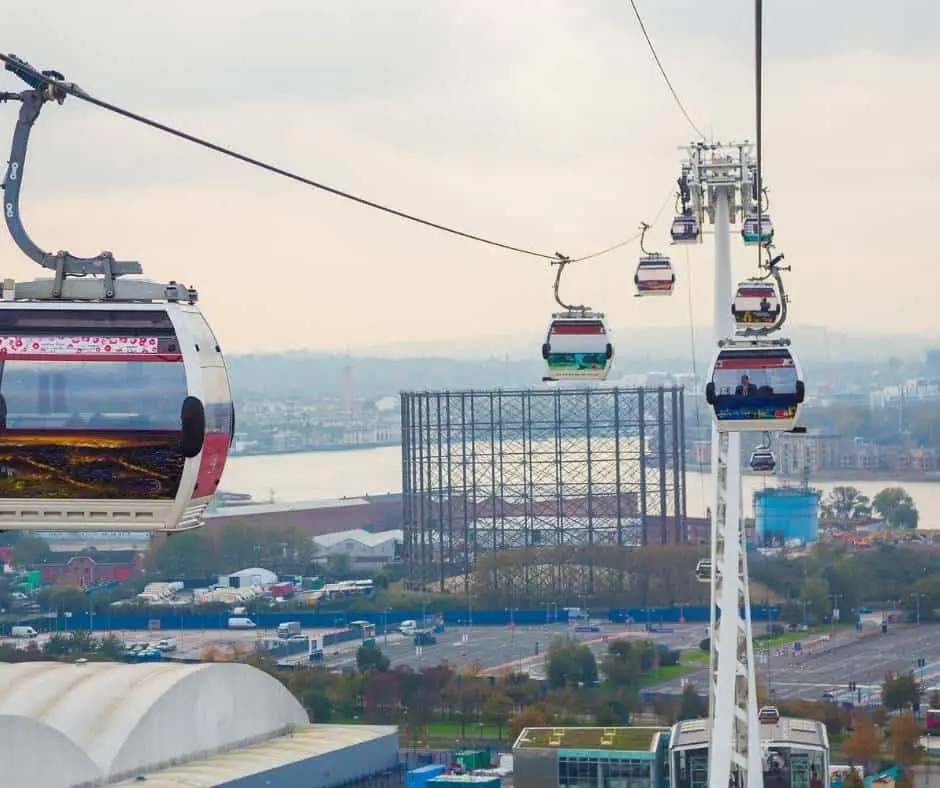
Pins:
x,y
717,175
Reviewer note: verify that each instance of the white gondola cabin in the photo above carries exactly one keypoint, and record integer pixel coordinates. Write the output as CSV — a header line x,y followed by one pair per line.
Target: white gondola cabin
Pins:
x,y
755,304
654,276
703,571
685,229
755,231
755,386
113,417
762,460
578,347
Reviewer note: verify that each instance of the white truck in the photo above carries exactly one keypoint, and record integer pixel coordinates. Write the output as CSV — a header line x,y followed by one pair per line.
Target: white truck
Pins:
x,y
288,629
241,622
23,632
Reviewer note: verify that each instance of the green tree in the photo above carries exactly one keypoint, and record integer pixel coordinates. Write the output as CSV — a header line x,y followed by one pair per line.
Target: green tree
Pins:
x,y
814,595
621,665
896,506
369,657
497,709
31,551
186,555
570,664
337,565
691,704
69,599
900,691
845,503
110,648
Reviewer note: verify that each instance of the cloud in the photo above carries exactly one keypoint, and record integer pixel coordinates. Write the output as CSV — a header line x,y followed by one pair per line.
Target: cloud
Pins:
x,y
542,124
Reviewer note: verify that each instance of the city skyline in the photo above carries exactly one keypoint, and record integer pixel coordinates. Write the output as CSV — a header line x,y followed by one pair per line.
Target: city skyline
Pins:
x,y
540,124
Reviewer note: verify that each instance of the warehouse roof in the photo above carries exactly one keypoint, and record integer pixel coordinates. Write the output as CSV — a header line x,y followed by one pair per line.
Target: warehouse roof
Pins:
x,y
299,745
104,720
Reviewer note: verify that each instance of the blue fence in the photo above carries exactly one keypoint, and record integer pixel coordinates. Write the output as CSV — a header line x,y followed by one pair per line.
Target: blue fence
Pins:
x,y
656,619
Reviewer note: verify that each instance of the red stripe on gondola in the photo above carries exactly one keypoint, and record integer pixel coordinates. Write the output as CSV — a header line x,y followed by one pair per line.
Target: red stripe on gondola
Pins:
x,y
754,363
578,328
756,292
152,357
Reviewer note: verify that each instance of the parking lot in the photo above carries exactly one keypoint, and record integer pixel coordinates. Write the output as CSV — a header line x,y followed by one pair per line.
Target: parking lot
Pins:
x,y
827,666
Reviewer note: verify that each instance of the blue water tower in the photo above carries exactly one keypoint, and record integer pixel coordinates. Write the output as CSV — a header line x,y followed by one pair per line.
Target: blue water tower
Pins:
x,y
783,514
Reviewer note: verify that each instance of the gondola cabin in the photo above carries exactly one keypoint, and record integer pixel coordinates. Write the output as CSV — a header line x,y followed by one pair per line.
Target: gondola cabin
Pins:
x,y
762,461
703,571
755,304
755,231
654,276
685,229
755,386
113,417
578,347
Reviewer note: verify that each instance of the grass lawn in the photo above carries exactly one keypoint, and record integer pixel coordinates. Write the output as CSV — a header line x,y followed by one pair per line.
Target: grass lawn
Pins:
x,y
690,661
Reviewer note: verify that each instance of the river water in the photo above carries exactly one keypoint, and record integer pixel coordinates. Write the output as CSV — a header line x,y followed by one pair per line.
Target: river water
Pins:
x,y
314,476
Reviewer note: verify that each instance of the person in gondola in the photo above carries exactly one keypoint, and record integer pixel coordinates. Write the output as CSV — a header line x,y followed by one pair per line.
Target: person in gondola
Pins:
x,y
746,389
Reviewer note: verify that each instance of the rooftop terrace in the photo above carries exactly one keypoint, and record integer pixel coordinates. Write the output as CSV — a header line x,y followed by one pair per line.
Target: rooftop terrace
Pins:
x,y
600,738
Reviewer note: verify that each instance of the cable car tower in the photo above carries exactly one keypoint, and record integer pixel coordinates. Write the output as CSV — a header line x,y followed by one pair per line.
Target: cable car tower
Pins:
x,y
718,184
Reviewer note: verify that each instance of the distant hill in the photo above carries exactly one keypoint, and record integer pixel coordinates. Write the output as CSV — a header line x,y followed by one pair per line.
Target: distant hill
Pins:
x,y
826,356
814,343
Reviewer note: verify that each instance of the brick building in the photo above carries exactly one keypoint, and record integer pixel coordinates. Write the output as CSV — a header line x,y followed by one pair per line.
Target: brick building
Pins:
x,y
90,566
371,513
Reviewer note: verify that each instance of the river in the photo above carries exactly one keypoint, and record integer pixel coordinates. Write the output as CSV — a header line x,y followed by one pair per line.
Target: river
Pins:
x,y
314,476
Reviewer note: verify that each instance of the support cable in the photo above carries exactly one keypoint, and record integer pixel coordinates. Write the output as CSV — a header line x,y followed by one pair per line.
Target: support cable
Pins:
x,y
55,84
662,71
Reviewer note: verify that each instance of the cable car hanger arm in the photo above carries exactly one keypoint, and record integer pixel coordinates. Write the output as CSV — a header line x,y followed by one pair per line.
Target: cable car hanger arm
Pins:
x,y
63,263
561,262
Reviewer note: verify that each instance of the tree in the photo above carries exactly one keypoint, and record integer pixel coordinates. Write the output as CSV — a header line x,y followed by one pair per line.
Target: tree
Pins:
x,y
853,779
896,506
900,692
814,594
529,717
570,664
369,658
691,704
497,709
337,565
845,503
191,554
69,599
906,748
31,551
863,744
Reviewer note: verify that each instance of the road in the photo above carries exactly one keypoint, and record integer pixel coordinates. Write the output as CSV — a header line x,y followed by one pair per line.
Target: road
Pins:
x,y
829,665
497,649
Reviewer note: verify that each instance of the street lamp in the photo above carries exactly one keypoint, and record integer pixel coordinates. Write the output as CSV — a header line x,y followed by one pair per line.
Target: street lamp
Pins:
x,y
835,598
806,604
917,606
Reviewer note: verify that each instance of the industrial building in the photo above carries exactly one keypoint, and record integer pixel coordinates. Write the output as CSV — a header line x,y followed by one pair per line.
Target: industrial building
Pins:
x,y
795,753
252,577
370,512
591,758
786,515
167,725
362,548
551,479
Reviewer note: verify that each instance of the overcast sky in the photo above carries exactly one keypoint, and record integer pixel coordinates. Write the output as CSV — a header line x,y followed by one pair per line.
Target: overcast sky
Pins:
x,y
541,123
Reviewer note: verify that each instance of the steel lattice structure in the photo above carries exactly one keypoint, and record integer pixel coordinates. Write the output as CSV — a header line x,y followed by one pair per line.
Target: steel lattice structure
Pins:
x,y
563,470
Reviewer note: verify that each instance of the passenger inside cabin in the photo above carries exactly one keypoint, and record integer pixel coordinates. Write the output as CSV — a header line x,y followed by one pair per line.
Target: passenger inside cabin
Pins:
x,y
746,388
